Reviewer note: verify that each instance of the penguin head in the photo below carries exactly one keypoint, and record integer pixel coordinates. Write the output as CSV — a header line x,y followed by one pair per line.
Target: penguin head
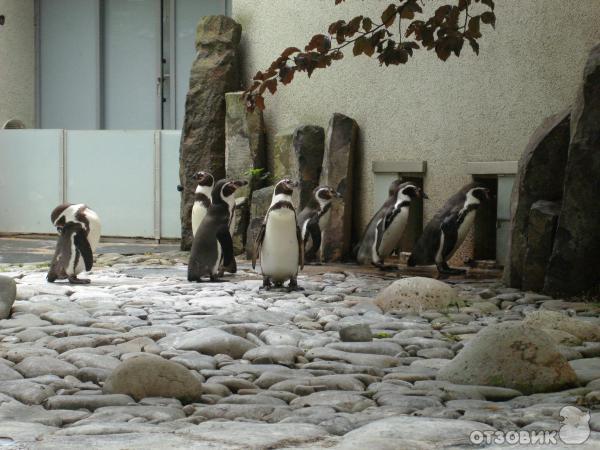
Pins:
x,y
481,193
394,187
285,187
411,190
204,179
324,194
224,190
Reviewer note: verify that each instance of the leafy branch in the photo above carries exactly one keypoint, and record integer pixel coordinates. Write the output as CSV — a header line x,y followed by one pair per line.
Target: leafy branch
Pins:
x,y
444,32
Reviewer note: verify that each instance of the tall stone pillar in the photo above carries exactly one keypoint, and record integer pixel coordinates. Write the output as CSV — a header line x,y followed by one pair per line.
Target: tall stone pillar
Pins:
x,y
338,171
574,267
215,71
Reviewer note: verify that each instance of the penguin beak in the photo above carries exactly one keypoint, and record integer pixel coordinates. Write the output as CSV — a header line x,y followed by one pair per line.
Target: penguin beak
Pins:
x,y
59,229
240,183
422,194
179,188
486,192
338,195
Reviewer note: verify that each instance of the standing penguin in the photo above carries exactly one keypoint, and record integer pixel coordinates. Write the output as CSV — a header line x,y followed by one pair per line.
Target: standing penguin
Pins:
x,y
212,244
314,218
279,241
385,230
202,197
79,234
447,230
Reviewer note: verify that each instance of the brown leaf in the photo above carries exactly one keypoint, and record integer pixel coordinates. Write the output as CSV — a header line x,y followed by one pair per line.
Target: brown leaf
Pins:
x,y
389,15
367,24
259,101
288,51
271,85
489,18
335,26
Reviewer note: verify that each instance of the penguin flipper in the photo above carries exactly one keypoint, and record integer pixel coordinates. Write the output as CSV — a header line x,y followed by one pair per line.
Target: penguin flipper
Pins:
x,y
258,243
300,248
224,238
315,234
450,231
83,245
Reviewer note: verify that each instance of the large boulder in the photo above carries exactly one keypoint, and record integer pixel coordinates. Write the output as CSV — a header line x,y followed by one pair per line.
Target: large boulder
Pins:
x,y
244,143
553,320
575,262
338,172
280,157
541,229
259,205
416,294
539,177
215,71
512,355
8,294
152,376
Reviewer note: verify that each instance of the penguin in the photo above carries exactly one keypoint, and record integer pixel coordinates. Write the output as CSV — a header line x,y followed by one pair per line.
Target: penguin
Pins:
x,y
212,246
447,230
202,197
279,241
385,230
79,234
314,218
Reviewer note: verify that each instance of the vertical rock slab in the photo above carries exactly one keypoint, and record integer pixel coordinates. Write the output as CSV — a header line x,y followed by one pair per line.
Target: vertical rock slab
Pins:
x,y
308,142
338,172
540,176
259,204
575,263
215,71
244,142
241,218
543,218
279,163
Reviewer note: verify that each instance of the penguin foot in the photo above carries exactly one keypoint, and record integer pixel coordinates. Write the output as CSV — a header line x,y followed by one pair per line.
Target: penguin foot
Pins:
x,y
216,278
293,286
75,280
385,268
266,284
444,269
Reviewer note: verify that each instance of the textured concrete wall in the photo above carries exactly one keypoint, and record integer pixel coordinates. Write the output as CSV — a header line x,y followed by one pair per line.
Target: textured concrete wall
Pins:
x,y
17,62
469,109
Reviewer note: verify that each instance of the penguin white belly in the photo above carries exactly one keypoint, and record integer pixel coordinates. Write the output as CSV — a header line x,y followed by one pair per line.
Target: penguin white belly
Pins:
x,y
391,237
463,229
324,220
198,214
279,253
73,269
95,229
374,254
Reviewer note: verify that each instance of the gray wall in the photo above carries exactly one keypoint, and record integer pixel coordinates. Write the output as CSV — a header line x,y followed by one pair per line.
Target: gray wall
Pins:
x,y
469,109
17,62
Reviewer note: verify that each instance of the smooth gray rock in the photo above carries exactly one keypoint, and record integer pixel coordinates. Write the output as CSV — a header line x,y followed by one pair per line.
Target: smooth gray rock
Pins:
x,y
377,347
416,294
35,366
512,355
587,369
153,414
255,435
83,359
195,361
274,354
26,391
212,341
214,72
24,432
8,294
17,412
8,373
152,376
89,402
356,333
344,401
381,361
411,432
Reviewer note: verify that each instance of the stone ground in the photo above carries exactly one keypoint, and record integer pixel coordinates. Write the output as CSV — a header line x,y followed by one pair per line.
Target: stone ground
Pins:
x,y
274,370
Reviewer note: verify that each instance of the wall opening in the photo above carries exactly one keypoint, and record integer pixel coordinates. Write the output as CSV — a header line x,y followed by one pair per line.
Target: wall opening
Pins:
x,y
484,245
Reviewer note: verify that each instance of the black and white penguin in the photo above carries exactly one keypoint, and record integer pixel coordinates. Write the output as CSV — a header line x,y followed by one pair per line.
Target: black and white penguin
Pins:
x,y
79,234
202,197
314,218
385,230
212,246
447,230
279,241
